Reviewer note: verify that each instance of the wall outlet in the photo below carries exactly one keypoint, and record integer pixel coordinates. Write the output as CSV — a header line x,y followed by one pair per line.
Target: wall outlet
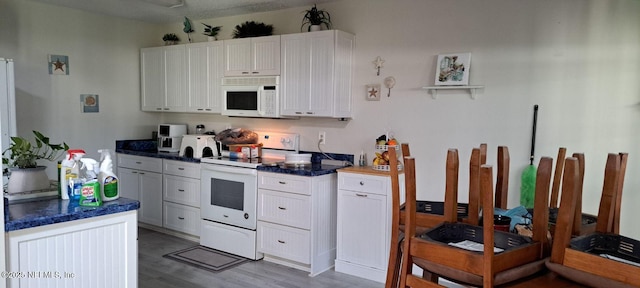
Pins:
x,y
322,137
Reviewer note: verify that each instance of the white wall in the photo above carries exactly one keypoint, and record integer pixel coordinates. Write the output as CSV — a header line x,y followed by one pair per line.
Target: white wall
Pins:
x,y
103,59
577,59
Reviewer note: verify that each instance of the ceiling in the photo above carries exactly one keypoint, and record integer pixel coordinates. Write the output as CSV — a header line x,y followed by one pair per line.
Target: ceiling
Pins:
x,y
151,11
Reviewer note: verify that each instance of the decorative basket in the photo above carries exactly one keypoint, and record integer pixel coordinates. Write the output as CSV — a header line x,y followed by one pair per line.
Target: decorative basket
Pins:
x,y
458,232
387,167
610,244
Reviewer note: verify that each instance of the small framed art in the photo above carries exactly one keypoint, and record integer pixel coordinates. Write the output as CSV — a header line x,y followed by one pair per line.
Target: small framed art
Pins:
x,y
373,92
90,103
453,69
58,65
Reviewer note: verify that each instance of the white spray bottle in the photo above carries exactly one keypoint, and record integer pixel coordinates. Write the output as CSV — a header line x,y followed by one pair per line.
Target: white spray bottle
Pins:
x,y
109,185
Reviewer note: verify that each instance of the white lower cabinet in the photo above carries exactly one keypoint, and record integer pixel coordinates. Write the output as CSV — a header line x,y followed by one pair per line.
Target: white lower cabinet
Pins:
x,y
297,220
141,179
98,252
181,195
364,222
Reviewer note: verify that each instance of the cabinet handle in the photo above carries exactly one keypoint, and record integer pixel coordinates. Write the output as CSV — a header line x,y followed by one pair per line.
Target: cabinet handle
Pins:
x,y
361,195
199,109
282,208
361,183
309,112
134,172
207,109
141,173
245,72
225,216
180,168
138,162
180,190
166,109
181,218
281,242
158,109
298,112
282,182
255,72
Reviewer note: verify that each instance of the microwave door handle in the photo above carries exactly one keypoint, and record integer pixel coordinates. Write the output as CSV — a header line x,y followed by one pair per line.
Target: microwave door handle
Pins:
x,y
260,96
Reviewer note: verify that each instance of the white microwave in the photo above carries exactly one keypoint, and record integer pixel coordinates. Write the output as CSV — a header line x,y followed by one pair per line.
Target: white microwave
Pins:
x,y
251,96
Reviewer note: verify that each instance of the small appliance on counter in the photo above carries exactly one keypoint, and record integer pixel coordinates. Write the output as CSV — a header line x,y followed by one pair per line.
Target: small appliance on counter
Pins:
x,y
170,137
198,146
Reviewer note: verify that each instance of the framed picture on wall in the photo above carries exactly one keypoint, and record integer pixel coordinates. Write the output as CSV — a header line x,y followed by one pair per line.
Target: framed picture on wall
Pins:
x,y
453,69
373,92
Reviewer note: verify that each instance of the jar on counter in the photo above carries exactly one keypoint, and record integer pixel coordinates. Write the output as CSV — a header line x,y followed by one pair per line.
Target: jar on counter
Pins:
x,y
200,129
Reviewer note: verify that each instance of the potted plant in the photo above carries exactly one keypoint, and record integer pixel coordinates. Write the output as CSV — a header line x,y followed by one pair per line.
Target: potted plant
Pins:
x,y
211,31
25,174
252,29
170,39
314,18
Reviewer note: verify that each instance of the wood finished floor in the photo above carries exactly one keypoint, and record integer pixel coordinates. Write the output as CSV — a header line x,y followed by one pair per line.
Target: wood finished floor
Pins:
x,y
154,271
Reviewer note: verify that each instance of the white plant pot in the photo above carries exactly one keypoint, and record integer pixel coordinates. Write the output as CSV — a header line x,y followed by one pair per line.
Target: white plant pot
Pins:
x,y
212,38
28,179
313,28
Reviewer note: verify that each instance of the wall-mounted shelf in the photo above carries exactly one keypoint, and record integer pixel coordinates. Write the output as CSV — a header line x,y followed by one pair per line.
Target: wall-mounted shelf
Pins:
x,y
434,89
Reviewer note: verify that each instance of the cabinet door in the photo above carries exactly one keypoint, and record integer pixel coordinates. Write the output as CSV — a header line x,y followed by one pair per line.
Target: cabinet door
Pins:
x,y
204,74
321,85
129,183
294,91
237,60
362,228
150,211
152,78
175,78
265,55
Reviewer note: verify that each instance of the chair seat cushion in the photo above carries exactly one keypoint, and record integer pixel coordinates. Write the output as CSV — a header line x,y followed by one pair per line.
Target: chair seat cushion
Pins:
x,y
476,280
584,278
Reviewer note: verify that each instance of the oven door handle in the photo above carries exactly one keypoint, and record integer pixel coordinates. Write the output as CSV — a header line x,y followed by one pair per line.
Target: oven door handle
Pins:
x,y
232,170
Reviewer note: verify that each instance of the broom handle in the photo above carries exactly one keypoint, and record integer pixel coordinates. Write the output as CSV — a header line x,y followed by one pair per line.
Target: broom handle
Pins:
x,y
533,136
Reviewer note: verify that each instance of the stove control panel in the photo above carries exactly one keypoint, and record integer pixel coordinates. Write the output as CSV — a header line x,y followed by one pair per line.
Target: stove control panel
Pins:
x,y
281,141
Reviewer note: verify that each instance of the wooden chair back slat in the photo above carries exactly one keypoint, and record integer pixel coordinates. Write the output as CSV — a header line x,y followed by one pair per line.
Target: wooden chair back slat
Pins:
x,y
609,191
566,212
616,214
502,180
474,186
393,265
557,178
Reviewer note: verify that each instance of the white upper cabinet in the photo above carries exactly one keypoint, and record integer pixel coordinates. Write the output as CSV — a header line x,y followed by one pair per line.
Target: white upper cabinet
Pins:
x,y
164,82
252,56
152,78
204,74
316,74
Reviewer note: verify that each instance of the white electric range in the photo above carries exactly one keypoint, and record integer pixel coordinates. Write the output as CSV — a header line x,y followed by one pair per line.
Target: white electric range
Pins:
x,y
229,195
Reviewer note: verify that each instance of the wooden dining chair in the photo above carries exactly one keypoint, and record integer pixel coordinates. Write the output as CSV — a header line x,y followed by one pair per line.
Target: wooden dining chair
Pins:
x,y
589,259
427,220
522,256
584,223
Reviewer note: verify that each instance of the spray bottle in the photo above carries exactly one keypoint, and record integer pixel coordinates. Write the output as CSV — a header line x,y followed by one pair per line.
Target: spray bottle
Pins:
x,y
66,172
109,185
75,179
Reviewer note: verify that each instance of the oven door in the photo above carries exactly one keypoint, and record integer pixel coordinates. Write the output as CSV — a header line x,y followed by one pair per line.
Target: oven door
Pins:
x,y
229,195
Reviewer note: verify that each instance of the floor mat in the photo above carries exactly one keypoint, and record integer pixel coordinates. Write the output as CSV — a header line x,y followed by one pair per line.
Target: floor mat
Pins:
x,y
206,258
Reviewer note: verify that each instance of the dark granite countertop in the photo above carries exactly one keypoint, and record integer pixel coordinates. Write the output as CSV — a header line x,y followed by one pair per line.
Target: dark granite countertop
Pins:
x,y
44,212
316,169
148,148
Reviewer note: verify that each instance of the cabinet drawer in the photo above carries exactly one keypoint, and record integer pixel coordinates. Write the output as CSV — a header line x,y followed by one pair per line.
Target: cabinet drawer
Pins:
x,y
181,168
182,218
363,183
181,190
283,241
284,182
284,208
140,163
